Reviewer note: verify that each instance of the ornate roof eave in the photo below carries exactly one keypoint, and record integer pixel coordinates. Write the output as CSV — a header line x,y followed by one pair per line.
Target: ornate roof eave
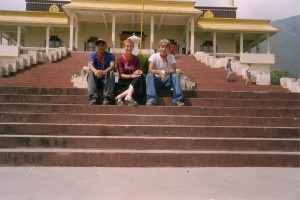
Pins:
x,y
34,18
236,25
150,6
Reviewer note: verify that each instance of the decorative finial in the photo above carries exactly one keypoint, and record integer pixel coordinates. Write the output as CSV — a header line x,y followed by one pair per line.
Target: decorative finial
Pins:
x,y
231,3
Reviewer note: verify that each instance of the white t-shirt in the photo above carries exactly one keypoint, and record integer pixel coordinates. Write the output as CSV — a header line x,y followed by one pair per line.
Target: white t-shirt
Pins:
x,y
248,69
159,64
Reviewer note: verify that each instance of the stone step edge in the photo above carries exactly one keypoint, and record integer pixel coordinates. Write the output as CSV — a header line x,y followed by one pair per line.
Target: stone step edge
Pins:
x,y
134,151
148,125
149,138
159,97
180,111
143,106
143,115
185,115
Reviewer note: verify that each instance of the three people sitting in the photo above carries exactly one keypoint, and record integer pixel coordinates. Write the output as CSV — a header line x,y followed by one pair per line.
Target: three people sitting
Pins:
x,y
161,75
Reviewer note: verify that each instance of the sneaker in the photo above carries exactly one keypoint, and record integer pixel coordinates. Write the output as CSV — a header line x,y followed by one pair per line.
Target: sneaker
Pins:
x,y
94,101
131,102
179,103
149,103
119,102
106,101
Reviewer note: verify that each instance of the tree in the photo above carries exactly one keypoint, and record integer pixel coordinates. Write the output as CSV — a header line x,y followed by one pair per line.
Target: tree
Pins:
x,y
277,74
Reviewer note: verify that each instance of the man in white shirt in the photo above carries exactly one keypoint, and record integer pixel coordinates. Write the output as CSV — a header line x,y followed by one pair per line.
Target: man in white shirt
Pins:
x,y
162,75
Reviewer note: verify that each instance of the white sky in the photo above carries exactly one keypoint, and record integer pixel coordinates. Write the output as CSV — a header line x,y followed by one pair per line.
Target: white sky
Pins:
x,y
250,9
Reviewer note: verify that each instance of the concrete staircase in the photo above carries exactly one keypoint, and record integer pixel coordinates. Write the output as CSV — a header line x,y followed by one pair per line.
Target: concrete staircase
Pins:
x,y
238,125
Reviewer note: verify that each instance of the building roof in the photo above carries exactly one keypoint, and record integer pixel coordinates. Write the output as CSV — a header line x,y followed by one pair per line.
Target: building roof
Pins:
x,y
176,12
162,6
236,25
33,18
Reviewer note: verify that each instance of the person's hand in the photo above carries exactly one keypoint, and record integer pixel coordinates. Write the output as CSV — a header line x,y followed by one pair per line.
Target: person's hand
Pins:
x,y
99,73
137,73
163,74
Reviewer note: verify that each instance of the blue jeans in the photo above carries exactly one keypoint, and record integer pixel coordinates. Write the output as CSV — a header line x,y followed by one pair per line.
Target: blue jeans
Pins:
x,y
154,83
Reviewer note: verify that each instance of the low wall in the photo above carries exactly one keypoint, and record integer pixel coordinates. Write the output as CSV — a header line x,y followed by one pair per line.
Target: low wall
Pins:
x,y
9,51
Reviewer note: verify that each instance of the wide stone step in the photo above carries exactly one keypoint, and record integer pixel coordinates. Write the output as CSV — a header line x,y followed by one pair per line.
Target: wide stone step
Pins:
x,y
163,101
155,110
61,129
223,85
57,74
188,94
49,123
145,158
150,143
42,91
136,119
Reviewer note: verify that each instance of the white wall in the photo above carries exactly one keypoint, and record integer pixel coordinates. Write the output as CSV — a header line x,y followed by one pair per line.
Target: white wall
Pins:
x,y
9,51
37,35
226,43
261,68
258,58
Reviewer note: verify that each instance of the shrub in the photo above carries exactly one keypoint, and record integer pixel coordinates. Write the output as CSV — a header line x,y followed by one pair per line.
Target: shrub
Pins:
x,y
145,63
277,74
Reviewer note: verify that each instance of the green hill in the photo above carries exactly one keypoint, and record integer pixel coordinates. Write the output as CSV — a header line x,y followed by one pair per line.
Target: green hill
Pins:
x,y
286,44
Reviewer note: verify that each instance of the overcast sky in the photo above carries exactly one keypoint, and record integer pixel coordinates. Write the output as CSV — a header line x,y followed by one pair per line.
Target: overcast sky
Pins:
x,y
249,9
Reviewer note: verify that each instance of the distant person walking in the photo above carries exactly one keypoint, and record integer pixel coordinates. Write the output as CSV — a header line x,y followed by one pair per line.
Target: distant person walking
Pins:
x,y
229,71
183,47
248,77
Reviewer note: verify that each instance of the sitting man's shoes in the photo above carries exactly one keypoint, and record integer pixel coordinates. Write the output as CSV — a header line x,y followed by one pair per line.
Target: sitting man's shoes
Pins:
x,y
131,102
120,102
179,103
106,101
149,103
94,101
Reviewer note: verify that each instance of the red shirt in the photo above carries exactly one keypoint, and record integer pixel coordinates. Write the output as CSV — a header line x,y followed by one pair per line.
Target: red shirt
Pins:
x,y
128,66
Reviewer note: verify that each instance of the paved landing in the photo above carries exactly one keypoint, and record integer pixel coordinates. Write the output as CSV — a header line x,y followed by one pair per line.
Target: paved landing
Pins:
x,y
96,183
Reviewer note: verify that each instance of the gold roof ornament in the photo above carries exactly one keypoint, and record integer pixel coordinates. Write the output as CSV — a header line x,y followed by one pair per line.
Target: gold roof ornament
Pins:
x,y
54,9
209,14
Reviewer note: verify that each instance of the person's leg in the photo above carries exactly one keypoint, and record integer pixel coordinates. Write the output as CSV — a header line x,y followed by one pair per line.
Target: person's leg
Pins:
x,y
173,81
127,94
139,86
128,99
93,87
247,80
130,91
151,88
122,95
177,90
228,76
135,87
109,86
123,84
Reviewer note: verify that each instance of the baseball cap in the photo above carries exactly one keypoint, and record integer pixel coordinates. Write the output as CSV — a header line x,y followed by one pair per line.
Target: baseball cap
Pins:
x,y
100,41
